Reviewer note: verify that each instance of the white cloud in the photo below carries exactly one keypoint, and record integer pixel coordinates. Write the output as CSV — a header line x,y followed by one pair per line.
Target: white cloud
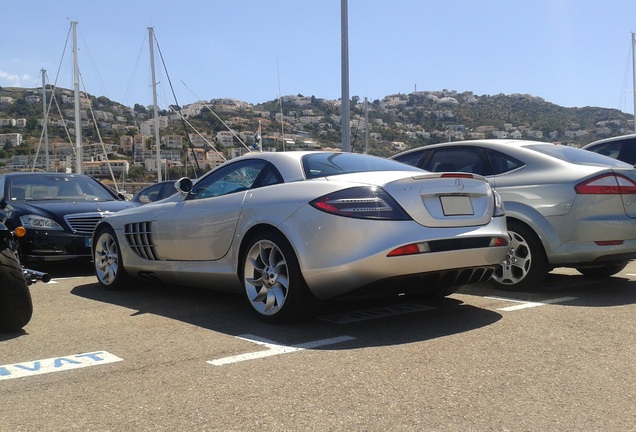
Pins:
x,y
12,80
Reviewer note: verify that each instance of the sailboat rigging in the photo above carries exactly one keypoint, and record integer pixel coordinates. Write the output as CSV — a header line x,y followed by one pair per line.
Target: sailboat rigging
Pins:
x,y
78,149
78,118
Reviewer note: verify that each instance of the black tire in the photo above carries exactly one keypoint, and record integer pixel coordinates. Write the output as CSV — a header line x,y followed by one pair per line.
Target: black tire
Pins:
x,y
603,271
525,265
16,306
107,261
273,284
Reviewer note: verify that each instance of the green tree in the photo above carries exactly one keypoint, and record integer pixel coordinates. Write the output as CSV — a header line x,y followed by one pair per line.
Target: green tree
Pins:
x,y
140,109
136,172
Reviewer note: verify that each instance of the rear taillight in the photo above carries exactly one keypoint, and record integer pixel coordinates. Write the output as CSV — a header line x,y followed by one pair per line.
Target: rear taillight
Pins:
x,y
607,184
362,203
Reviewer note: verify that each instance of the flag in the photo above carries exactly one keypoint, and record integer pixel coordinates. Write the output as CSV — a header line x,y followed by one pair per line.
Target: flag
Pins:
x,y
258,143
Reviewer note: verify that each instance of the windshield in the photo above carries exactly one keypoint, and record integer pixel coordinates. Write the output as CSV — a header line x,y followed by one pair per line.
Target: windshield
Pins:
x,y
577,156
57,187
328,164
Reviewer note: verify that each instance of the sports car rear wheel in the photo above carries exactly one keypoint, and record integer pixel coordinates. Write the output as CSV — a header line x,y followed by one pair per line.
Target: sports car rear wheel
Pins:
x,y
107,260
274,286
525,265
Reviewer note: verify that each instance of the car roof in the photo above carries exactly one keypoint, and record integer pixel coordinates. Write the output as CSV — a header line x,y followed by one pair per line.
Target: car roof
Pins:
x,y
493,143
41,173
496,143
612,139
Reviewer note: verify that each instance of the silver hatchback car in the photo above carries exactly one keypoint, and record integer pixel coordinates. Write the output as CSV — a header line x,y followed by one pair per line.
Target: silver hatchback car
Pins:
x,y
565,207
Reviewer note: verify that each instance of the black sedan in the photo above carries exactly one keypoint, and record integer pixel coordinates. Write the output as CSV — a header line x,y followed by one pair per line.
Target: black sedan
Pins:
x,y
58,210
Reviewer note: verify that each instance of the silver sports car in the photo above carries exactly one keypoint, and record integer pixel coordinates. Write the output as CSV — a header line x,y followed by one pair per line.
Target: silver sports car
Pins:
x,y
291,229
565,207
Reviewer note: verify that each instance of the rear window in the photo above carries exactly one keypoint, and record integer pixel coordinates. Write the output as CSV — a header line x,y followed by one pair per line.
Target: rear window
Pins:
x,y
577,156
328,164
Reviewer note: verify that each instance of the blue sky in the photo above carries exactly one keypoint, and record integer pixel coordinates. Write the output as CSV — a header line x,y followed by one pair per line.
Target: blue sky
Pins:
x,y
569,52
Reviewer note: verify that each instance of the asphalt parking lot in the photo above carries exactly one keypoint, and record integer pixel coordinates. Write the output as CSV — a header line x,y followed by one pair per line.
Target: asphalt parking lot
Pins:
x,y
167,358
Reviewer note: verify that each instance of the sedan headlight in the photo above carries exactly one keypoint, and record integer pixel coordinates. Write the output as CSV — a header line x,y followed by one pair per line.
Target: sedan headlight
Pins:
x,y
39,223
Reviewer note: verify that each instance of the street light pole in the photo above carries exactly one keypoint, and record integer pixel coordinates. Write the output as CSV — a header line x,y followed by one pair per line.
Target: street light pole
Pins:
x,y
346,127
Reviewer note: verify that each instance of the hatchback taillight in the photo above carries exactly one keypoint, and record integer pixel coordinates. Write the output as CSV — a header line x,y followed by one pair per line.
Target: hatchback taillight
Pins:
x,y
607,184
362,203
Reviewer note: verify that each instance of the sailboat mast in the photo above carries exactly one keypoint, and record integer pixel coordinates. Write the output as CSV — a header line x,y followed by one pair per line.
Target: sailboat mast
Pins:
x,y
46,122
634,75
366,126
78,117
154,100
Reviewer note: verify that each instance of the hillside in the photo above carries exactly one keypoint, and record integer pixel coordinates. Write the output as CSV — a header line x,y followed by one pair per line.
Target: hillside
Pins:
x,y
395,122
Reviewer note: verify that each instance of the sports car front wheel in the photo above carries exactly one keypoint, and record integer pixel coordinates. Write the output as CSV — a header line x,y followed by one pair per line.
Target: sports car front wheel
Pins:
x,y
274,286
107,260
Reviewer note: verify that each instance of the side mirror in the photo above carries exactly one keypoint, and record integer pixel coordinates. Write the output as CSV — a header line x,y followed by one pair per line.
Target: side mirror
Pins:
x,y
183,185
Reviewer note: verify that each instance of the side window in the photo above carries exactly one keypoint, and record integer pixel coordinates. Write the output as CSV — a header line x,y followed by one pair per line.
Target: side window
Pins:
x,y
411,158
628,151
501,163
151,194
235,177
611,149
269,176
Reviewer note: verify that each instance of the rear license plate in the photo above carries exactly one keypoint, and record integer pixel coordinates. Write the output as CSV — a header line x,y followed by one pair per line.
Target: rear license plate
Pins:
x,y
456,205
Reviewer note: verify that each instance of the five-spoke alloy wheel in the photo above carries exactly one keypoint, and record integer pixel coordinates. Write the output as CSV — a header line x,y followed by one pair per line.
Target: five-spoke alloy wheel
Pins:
x,y
525,264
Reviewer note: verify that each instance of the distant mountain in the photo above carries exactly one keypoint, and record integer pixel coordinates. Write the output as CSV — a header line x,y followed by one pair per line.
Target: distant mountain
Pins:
x,y
395,122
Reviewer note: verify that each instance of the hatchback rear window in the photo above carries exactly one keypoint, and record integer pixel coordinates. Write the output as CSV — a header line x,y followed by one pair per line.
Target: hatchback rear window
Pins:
x,y
322,165
577,156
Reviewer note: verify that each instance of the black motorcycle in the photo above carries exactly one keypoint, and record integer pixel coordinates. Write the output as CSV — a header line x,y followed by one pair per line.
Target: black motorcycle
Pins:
x,y
16,307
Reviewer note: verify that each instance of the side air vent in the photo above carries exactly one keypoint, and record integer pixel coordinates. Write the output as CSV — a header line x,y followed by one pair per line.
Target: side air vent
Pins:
x,y
139,238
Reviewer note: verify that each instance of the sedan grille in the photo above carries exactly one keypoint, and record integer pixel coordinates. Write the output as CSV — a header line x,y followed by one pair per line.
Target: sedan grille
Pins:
x,y
85,223
139,238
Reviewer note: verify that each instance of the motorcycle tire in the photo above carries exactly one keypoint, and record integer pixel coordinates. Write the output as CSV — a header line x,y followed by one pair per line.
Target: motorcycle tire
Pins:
x,y
16,307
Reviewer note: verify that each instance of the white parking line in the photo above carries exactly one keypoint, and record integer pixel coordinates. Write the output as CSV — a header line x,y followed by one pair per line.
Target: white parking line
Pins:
x,y
526,304
275,348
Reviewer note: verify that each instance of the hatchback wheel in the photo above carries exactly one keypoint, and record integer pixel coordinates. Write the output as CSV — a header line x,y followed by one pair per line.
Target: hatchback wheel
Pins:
x,y
274,286
603,271
107,260
525,264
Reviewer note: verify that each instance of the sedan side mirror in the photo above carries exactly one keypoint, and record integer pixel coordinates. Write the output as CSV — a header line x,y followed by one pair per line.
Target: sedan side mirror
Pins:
x,y
183,185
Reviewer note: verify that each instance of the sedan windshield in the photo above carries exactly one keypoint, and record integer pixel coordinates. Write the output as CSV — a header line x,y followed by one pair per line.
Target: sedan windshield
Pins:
x,y
56,187
577,156
328,164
